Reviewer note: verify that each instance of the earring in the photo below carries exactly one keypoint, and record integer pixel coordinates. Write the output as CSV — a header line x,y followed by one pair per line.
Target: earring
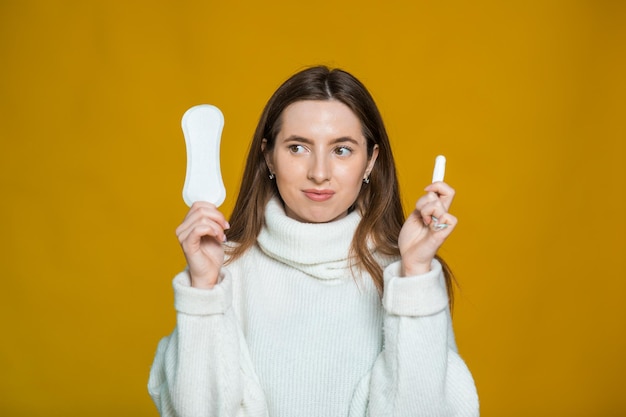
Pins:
x,y
366,180
272,176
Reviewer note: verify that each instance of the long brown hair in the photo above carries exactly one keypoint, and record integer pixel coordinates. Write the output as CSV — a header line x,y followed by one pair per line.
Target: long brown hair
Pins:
x,y
379,200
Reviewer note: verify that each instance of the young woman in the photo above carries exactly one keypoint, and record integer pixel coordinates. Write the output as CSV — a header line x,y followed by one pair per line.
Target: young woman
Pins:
x,y
318,299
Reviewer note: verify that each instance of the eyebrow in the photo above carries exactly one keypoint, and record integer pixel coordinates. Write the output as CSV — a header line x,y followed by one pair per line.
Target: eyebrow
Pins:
x,y
343,139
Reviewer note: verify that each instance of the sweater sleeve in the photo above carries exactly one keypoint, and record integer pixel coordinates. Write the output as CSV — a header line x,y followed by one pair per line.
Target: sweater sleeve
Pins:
x,y
203,368
419,372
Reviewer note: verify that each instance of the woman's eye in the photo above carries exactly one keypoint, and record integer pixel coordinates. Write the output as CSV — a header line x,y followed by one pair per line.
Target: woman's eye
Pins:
x,y
296,148
343,151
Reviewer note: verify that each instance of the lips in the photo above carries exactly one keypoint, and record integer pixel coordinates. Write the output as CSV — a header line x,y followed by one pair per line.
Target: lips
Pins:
x,y
318,195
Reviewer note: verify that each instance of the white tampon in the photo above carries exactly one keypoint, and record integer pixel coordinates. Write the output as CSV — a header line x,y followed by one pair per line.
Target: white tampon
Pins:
x,y
438,174
202,128
440,168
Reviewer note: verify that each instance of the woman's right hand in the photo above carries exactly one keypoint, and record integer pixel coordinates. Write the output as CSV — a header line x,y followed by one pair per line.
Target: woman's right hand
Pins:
x,y
201,235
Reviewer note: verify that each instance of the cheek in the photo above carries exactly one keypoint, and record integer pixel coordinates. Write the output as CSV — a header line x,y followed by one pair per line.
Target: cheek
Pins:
x,y
352,173
288,176
289,170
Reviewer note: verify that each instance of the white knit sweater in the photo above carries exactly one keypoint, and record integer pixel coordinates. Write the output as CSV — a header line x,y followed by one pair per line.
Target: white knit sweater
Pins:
x,y
289,332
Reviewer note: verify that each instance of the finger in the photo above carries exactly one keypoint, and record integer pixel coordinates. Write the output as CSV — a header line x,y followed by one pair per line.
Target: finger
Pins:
x,y
196,228
198,206
431,210
200,210
204,227
425,200
440,222
443,191
445,222
212,211
198,236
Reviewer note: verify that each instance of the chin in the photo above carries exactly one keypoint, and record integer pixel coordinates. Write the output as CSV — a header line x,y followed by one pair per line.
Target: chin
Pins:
x,y
323,217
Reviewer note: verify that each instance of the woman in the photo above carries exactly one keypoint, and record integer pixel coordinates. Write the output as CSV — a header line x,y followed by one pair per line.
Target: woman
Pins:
x,y
324,301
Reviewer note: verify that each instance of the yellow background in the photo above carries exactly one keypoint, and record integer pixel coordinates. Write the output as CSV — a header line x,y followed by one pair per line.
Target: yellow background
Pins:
x,y
527,99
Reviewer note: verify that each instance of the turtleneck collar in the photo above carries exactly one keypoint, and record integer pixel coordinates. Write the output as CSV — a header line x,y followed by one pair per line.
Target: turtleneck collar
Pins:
x,y
318,249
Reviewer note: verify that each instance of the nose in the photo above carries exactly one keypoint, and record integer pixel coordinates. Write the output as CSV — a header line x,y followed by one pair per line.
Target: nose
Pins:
x,y
319,169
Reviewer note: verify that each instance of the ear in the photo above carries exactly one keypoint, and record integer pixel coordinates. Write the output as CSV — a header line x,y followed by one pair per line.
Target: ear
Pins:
x,y
267,155
371,161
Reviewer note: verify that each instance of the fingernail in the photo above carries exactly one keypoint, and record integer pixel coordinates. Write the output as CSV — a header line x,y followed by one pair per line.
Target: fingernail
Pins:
x,y
227,225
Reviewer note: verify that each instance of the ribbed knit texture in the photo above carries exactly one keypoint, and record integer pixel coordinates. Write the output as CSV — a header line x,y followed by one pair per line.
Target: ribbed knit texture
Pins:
x,y
288,332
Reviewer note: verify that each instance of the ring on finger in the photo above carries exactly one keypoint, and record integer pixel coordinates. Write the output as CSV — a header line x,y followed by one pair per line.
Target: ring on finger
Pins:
x,y
436,226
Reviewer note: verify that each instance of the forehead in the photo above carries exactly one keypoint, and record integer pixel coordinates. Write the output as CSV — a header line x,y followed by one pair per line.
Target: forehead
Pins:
x,y
319,119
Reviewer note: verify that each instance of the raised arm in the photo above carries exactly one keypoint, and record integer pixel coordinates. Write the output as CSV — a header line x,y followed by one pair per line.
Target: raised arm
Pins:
x,y
203,368
419,372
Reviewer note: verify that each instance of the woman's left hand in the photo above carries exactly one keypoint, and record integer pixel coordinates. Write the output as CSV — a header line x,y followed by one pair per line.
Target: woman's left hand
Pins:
x,y
420,237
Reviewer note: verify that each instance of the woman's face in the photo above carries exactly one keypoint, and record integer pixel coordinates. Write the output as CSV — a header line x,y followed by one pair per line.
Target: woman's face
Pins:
x,y
319,160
